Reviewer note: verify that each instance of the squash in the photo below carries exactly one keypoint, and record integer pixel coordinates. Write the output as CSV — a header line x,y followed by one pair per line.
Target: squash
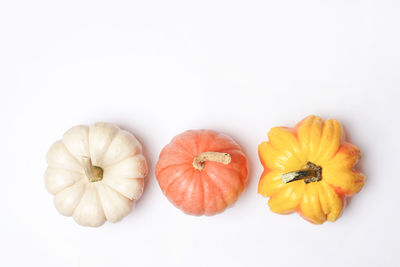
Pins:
x,y
202,171
95,173
309,169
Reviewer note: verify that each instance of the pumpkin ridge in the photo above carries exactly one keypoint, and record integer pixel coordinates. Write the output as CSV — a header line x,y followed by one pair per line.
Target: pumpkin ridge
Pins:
x,y
79,180
283,152
117,162
204,141
99,200
234,183
177,151
279,190
222,136
105,192
179,199
92,130
67,136
265,171
341,197
323,200
118,181
73,156
297,128
205,175
112,189
316,150
176,146
193,180
334,154
203,193
65,169
279,198
138,143
306,200
353,154
320,204
81,196
88,143
69,153
54,169
159,171
319,195
185,149
86,191
334,126
235,173
107,147
341,189
230,166
184,171
351,149
177,178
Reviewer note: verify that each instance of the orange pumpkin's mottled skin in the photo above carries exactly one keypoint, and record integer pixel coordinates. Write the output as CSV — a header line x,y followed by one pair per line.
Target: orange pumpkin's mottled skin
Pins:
x,y
207,191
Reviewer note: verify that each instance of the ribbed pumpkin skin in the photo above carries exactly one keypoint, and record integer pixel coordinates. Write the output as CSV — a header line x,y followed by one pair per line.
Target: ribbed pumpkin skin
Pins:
x,y
289,149
208,191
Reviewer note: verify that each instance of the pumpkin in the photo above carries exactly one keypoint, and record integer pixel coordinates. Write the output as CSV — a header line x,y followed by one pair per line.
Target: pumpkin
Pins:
x,y
95,173
202,171
309,169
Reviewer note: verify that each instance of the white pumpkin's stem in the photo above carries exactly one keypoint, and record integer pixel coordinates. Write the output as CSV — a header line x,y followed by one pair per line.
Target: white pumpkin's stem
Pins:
x,y
311,173
93,173
198,162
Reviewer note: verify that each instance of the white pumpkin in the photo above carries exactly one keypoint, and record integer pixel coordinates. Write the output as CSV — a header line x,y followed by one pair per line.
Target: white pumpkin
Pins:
x,y
96,173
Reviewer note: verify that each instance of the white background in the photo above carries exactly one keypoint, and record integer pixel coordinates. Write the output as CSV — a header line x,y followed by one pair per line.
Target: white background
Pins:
x,y
158,68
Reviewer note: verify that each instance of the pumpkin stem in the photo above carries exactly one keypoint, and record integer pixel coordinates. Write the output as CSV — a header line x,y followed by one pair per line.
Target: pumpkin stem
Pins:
x,y
93,173
198,162
311,173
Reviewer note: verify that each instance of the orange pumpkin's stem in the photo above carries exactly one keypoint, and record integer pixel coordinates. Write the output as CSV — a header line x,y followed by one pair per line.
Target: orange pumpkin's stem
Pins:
x,y
198,162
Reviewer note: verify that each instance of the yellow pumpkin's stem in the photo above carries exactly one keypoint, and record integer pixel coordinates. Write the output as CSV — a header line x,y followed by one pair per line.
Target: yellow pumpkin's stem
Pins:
x,y
93,173
198,162
311,173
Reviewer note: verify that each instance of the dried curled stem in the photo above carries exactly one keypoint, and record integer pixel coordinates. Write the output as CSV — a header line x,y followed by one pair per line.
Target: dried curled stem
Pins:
x,y
198,162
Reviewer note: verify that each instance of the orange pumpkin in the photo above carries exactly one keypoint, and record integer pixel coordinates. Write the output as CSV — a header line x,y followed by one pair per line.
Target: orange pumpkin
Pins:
x,y
202,171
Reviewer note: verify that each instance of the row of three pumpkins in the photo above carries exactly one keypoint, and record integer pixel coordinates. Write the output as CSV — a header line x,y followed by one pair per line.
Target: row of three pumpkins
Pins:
x,y
97,173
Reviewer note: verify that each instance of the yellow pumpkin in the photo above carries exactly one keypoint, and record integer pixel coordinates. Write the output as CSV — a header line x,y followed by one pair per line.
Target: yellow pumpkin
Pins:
x,y
309,169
